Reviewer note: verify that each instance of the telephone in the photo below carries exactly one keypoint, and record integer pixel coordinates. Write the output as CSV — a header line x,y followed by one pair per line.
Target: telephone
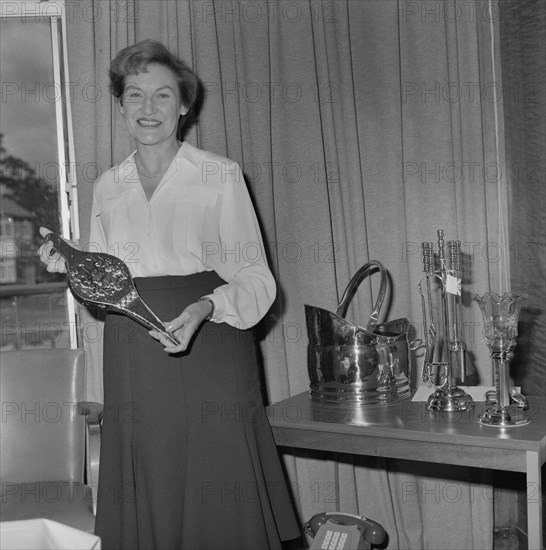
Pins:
x,y
337,531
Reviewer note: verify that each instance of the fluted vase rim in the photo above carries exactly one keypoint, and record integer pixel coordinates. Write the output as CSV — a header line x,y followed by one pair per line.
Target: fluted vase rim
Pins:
x,y
495,297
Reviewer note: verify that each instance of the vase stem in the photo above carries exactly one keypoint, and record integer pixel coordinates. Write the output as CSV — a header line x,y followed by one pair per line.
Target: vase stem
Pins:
x,y
502,382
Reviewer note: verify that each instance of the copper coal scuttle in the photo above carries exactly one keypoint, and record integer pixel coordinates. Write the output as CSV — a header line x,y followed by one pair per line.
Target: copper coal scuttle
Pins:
x,y
355,365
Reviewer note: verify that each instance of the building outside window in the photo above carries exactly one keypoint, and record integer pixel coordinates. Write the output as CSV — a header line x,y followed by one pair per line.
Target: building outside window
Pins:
x,y
37,183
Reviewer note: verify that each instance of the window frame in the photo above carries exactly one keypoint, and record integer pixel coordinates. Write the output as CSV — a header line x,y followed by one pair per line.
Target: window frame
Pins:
x,y
55,11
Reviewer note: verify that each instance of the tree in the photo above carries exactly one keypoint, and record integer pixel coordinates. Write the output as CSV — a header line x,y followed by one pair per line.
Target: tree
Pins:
x,y
19,182
33,193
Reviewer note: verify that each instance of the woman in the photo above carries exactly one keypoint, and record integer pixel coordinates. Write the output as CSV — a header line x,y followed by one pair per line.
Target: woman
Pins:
x,y
188,460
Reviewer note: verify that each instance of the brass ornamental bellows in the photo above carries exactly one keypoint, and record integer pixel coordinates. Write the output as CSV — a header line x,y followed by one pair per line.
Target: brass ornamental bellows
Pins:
x,y
350,364
104,281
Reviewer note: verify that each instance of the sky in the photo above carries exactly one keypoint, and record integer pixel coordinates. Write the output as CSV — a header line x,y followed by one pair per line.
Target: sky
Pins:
x,y
28,92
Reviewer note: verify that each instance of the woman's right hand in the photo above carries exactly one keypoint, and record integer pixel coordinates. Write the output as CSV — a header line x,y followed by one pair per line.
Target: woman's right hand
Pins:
x,y
54,262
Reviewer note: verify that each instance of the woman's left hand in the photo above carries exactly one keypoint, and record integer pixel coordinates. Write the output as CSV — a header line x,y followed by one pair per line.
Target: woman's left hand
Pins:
x,y
184,326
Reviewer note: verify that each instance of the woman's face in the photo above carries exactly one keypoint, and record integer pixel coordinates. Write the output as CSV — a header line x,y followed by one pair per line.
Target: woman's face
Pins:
x,y
151,105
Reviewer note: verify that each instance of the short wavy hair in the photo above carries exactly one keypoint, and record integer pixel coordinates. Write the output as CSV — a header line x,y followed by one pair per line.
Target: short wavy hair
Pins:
x,y
134,59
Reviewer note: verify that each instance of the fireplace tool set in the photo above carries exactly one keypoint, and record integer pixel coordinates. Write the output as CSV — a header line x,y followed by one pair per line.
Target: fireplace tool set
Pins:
x,y
445,356
445,349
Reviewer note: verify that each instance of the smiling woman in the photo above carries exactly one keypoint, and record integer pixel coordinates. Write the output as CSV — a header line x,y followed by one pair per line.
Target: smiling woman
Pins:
x,y
151,106
156,92
181,457
37,186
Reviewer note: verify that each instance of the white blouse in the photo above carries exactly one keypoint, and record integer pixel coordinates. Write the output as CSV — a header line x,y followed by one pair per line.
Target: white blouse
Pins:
x,y
200,218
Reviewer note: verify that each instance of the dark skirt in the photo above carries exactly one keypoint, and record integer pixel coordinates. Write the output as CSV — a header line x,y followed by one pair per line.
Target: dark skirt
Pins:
x,y
188,460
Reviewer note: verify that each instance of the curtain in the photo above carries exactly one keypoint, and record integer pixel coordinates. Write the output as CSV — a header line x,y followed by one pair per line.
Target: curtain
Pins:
x,y
523,43
362,128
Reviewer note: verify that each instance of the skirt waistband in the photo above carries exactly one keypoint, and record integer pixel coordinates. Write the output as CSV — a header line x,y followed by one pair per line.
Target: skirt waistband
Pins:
x,y
208,279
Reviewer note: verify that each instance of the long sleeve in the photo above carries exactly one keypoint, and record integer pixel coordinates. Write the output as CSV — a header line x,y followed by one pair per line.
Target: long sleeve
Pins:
x,y
239,258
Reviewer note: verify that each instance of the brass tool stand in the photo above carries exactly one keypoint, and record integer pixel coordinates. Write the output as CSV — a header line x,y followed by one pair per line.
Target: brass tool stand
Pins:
x,y
445,347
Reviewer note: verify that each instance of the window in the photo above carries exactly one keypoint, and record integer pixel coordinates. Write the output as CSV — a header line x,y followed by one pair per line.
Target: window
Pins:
x,y
7,226
37,184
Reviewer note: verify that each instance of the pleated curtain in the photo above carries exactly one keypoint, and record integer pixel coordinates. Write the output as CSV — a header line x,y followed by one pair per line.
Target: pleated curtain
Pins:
x,y
523,43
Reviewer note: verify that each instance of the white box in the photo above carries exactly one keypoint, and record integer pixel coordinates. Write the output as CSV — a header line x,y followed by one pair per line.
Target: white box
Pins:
x,y
44,534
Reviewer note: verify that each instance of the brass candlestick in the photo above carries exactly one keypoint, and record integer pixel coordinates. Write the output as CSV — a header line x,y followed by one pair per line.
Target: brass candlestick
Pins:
x,y
504,407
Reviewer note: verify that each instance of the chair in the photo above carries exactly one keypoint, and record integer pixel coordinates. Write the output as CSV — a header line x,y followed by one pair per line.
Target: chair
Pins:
x,y
49,438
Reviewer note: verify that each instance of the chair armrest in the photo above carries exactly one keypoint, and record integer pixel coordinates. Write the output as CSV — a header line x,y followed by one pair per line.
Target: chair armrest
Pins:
x,y
93,416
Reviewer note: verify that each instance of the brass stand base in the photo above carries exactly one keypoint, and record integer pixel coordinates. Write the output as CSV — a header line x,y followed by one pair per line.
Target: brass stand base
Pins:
x,y
505,417
449,399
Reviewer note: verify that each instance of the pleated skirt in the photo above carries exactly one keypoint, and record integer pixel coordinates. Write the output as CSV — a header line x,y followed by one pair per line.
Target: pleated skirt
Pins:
x,y
188,460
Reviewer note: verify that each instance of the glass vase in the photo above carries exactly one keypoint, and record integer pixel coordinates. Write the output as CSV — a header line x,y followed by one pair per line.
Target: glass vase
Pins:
x,y
504,407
